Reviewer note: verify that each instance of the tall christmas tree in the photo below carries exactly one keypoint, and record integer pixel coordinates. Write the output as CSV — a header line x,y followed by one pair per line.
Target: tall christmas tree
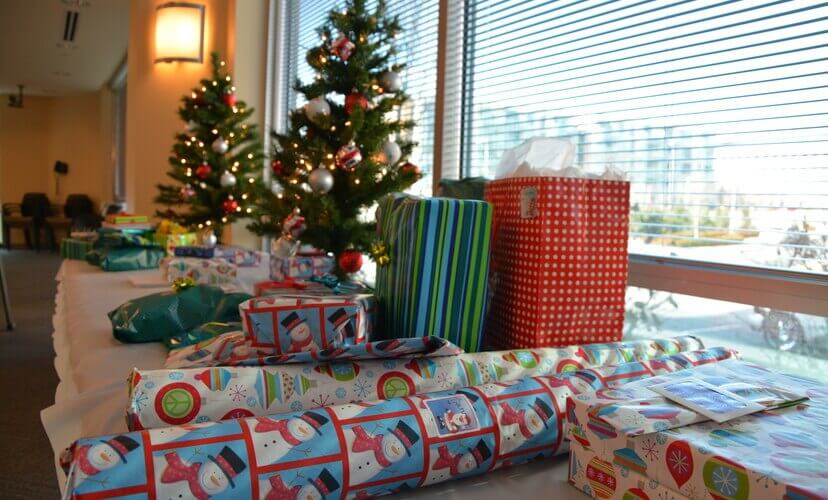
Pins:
x,y
217,161
346,147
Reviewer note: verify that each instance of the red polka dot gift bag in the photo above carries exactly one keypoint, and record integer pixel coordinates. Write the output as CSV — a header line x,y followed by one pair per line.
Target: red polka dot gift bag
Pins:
x,y
559,261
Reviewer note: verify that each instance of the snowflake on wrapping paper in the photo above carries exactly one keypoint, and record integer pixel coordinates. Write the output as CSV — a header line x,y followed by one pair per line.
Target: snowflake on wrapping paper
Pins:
x,y
296,406
322,400
176,375
444,380
634,419
369,374
252,401
238,392
650,448
362,388
666,495
149,385
202,418
389,364
661,438
725,481
661,426
340,392
766,480
690,491
679,461
139,400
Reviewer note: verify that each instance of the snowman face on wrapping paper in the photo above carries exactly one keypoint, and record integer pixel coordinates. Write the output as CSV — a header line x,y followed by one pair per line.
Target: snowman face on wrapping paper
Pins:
x,y
467,463
300,333
103,456
301,429
533,421
392,448
309,492
212,479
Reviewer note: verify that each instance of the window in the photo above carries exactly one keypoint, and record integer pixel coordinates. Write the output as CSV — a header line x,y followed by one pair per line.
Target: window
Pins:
x,y
417,48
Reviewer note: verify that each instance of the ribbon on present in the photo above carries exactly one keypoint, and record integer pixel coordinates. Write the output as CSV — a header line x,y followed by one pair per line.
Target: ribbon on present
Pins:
x,y
181,284
338,286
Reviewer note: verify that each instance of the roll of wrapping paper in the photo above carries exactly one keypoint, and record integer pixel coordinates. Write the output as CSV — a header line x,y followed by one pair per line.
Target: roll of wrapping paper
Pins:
x,y
351,450
160,398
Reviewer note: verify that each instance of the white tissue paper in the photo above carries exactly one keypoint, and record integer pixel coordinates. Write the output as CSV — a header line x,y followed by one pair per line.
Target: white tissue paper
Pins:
x,y
547,157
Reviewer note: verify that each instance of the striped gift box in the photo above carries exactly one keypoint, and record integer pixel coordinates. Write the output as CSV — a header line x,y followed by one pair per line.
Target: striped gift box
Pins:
x,y
72,248
436,281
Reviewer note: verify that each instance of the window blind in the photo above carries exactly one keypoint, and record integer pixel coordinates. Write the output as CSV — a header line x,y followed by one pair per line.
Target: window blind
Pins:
x,y
717,111
416,47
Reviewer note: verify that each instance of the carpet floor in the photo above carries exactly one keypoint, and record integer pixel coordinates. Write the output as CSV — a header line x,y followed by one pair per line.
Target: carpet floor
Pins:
x,y
26,365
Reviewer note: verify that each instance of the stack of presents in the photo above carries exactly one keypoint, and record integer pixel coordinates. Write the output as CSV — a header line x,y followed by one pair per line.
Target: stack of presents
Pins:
x,y
317,387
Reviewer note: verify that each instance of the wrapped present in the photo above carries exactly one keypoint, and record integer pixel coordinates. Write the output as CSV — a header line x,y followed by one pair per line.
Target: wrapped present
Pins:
x,y
73,248
201,333
435,278
158,316
559,261
169,242
307,320
196,251
125,258
279,389
241,257
353,450
779,452
301,266
202,271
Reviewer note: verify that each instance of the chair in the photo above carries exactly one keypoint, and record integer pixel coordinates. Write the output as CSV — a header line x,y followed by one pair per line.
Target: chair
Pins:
x,y
36,206
4,296
78,212
13,218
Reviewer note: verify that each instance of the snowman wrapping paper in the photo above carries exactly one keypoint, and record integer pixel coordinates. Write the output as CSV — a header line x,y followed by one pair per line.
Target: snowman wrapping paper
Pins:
x,y
159,398
353,450
202,271
779,453
300,266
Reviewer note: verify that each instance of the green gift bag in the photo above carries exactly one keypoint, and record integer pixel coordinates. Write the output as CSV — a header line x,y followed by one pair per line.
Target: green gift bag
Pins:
x,y
435,282
125,258
159,316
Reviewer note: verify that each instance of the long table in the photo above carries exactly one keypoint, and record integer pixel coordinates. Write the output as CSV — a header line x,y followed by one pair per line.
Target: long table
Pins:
x,y
92,394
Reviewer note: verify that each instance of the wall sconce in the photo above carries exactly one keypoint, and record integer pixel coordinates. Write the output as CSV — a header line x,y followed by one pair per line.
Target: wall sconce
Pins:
x,y
179,32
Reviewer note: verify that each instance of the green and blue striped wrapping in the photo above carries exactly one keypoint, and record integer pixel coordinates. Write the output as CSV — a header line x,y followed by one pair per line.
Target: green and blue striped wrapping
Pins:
x,y
73,248
437,278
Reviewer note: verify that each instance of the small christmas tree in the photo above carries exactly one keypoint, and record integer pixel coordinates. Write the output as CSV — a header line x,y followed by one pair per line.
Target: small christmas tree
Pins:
x,y
346,147
217,161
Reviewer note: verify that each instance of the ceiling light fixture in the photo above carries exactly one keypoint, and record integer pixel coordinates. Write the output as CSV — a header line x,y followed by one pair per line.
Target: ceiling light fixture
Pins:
x,y
179,32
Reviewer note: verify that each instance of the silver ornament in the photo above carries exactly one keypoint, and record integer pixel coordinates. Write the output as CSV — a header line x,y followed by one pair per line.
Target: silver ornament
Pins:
x,y
264,218
317,106
227,180
284,247
390,81
208,238
321,180
220,146
276,188
305,187
391,152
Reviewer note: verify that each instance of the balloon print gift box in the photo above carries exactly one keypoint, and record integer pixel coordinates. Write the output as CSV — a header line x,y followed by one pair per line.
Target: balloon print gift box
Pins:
x,y
632,443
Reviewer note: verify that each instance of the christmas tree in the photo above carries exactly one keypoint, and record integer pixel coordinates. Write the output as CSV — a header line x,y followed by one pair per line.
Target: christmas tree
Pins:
x,y
217,161
346,147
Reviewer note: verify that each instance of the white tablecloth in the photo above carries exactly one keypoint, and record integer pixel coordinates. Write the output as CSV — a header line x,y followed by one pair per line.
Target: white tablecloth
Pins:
x,y
93,367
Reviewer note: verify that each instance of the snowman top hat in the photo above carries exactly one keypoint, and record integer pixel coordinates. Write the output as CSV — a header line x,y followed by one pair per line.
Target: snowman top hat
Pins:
x,y
472,397
325,483
122,445
406,435
315,420
481,452
292,320
543,409
387,345
339,318
229,463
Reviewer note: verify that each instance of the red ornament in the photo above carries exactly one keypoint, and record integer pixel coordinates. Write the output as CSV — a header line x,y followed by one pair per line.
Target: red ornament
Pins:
x,y
348,157
278,167
230,206
355,99
203,170
679,462
199,98
229,99
350,261
342,47
409,168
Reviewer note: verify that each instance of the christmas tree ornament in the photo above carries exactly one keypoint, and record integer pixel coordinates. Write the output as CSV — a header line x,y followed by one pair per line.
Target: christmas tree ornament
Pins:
x,y
186,192
355,99
220,146
230,205
277,167
350,261
276,188
317,106
379,252
342,47
409,168
208,238
294,224
227,179
320,180
229,99
191,126
348,157
203,171
284,247
391,152
390,81
264,219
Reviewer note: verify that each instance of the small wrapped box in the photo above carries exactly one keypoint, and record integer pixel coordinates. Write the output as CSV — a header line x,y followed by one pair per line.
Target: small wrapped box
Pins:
x,y
73,248
241,257
301,266
436,275
202,271
195,251
632,443
169,242
312,319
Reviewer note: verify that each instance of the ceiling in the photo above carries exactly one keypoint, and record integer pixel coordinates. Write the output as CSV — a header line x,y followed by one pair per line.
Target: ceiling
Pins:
x,y
33,51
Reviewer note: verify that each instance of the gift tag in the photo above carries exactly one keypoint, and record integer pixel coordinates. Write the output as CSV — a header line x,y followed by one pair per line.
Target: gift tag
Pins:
x,y
529,203
453,414
706,399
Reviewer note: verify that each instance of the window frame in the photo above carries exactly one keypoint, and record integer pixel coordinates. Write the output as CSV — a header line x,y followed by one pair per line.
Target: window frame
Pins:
x,y
795,291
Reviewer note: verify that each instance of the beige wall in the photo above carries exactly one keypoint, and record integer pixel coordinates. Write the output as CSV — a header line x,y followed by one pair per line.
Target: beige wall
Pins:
x,y
24,148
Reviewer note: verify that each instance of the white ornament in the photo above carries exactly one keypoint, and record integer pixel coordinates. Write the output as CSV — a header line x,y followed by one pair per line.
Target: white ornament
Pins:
x,y
306,187
317,106
391,152
276,188
220,146
208,238
390,81
227,179
321,180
